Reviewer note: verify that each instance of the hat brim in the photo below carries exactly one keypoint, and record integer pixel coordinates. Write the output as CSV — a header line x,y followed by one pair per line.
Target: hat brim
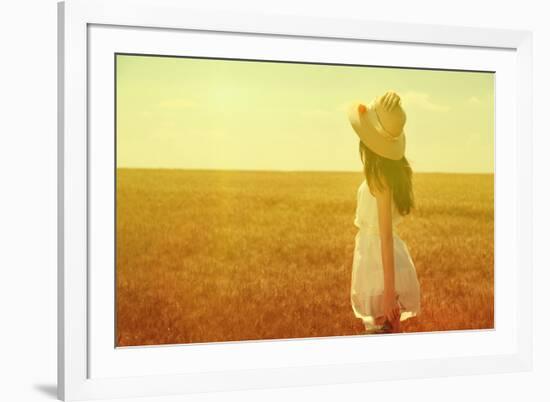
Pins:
x,y
364,127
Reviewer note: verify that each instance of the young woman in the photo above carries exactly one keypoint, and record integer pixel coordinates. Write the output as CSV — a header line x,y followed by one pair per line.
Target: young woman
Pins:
x,y
384,286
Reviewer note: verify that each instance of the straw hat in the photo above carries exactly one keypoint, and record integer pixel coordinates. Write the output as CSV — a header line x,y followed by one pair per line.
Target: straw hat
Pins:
x,y
380,124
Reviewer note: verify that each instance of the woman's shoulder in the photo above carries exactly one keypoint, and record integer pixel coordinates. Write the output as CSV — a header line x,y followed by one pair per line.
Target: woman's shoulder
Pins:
x,y
368,191
363,189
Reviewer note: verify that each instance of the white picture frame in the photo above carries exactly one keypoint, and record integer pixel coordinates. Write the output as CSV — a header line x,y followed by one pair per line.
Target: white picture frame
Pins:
x,y
288,363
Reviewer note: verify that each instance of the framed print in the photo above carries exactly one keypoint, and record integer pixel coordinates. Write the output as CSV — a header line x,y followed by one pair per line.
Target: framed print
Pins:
x,y
255,201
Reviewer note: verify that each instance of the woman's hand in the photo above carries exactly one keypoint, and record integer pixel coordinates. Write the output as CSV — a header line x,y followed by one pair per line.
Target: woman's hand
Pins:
x,y
390,100
391,307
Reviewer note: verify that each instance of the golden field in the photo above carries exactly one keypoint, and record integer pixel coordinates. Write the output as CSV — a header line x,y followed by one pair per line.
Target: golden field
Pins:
x,y
207,256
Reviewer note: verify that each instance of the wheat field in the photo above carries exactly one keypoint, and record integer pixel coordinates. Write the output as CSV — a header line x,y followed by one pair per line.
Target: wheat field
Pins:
x,y
209,256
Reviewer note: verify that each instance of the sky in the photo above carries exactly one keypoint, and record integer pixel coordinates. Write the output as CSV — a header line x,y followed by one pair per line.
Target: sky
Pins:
x,y
190,113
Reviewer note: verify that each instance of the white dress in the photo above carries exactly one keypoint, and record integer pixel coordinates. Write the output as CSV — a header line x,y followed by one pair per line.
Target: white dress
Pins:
x,y
367,282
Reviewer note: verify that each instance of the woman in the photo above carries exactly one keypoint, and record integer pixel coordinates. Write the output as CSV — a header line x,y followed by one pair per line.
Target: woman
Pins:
x,y
384,286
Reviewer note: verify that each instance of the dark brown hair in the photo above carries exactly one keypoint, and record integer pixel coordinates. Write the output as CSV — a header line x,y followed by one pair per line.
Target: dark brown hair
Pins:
x,y
396,174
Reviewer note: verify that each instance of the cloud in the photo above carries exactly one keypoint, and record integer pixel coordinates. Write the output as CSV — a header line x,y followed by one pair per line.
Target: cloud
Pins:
x,y
473,100
422,100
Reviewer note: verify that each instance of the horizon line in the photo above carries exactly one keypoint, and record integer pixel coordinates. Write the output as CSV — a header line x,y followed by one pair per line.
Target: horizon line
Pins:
x,y
286,171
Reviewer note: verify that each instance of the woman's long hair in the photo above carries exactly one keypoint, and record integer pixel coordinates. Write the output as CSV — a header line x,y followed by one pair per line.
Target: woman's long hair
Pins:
x,y
396,174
